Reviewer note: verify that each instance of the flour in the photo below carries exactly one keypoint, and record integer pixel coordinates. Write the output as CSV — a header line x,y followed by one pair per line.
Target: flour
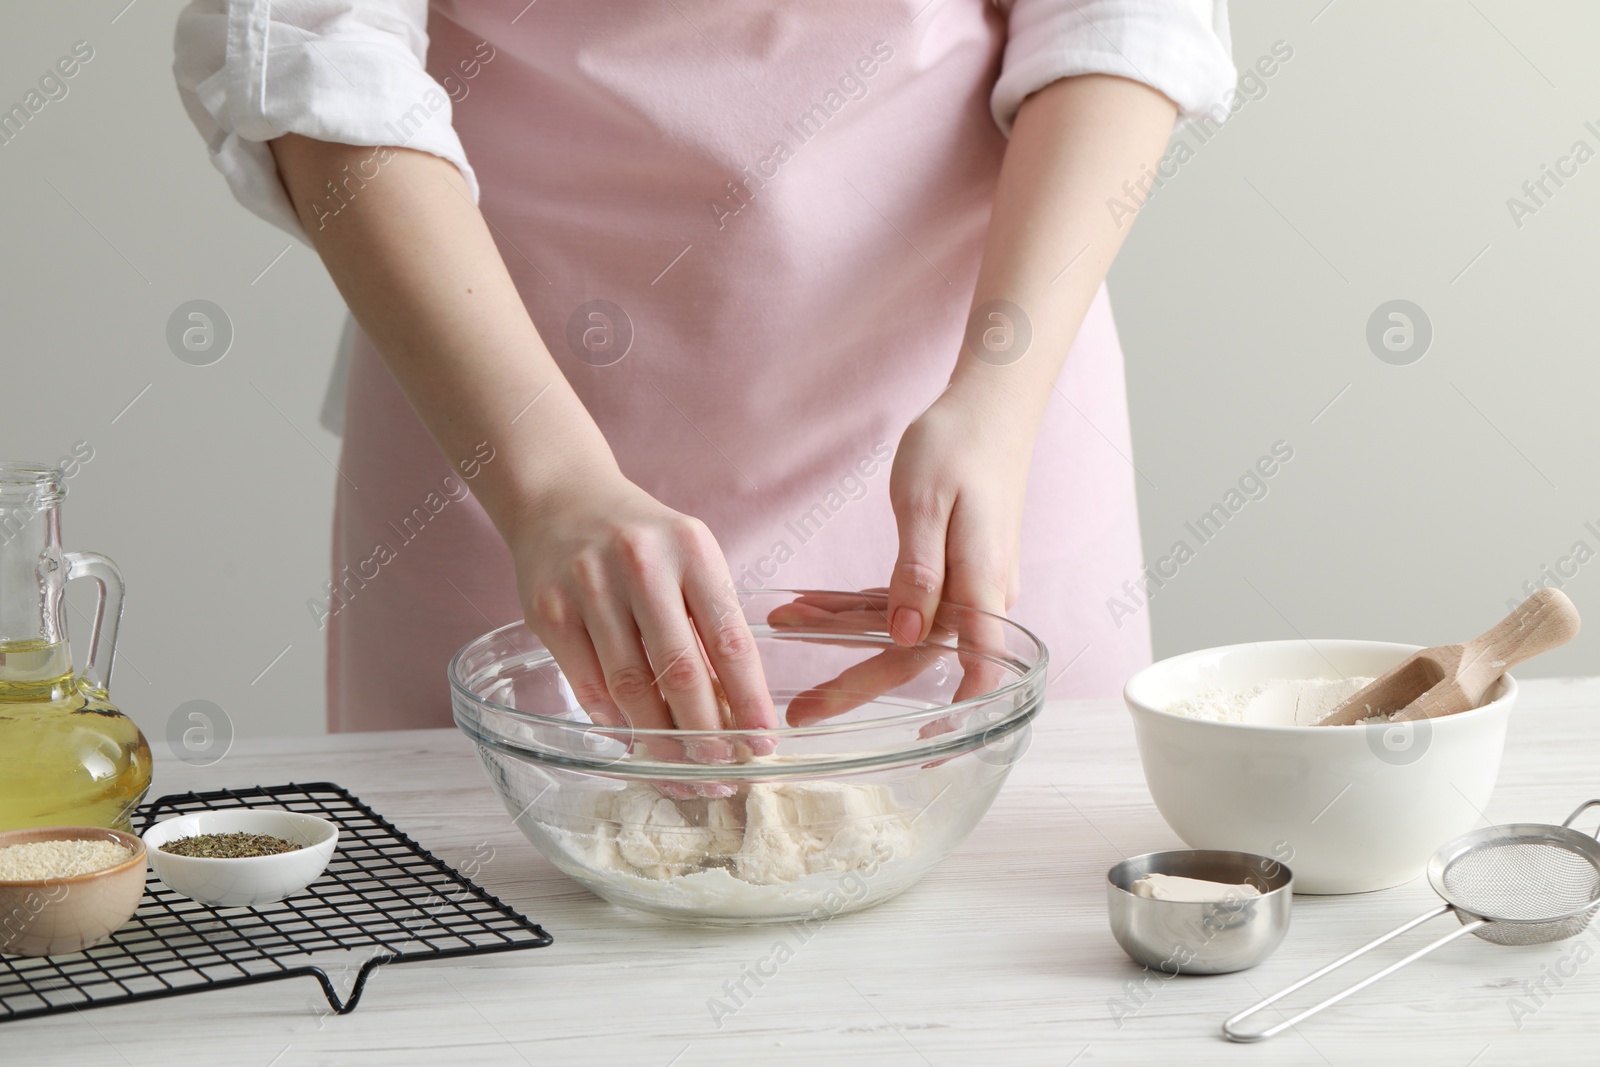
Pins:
x,y
776,848
1278,702
773,850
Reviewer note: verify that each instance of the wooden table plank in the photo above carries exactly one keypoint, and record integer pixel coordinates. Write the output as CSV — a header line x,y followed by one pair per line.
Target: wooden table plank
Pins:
x,y
1000,956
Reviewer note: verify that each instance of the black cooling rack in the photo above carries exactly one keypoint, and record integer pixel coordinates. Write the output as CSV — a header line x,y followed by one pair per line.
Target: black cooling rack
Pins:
x,y
382,892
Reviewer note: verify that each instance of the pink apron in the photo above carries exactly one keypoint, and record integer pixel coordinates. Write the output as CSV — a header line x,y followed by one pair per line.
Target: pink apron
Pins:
x,y
748,234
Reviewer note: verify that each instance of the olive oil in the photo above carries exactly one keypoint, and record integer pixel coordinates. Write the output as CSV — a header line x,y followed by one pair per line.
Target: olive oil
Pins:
x,y
68,757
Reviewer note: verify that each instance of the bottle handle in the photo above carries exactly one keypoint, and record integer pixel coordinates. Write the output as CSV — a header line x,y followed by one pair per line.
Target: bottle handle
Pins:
x,y
107,615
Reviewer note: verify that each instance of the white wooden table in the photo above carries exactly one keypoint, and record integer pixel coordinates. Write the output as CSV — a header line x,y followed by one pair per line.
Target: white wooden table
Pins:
x,y
1000,956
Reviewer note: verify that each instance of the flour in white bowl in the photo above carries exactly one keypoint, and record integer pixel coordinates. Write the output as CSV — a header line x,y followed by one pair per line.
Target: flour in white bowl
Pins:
x,y
1277,702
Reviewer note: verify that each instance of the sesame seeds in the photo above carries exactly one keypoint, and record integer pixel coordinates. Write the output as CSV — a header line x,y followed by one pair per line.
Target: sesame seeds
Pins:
x,y
37,860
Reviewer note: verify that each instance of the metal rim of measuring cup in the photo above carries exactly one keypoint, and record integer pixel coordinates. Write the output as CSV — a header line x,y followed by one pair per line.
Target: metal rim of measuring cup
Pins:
x,y
1282,878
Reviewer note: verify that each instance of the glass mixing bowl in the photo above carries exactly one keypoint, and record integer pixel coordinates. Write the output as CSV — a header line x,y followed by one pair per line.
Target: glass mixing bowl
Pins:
x,y
837,814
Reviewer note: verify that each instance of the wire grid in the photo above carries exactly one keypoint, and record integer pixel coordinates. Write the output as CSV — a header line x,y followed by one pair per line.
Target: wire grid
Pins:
x,y
381,891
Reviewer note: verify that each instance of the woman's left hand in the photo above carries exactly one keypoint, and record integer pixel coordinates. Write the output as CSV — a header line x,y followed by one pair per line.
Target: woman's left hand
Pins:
x,y
961,470
957,489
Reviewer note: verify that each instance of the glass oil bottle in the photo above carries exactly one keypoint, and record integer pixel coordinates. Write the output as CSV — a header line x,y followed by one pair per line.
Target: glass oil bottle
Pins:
x,y
68,757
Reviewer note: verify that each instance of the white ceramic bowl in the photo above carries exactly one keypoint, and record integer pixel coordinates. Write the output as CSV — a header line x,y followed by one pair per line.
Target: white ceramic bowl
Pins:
x,y
232,883
1350,808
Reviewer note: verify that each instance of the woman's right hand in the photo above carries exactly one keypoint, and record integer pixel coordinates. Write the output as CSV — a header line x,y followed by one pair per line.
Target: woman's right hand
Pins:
x,y
632,599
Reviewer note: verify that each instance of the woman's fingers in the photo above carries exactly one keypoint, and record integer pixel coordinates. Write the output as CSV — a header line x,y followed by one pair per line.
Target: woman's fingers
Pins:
x,y
625,664
574,653
636,604
919,570
731,648
863,613
859,684
681,673
600,655
636,684
869,599
630,680
804,618
979,577
850,614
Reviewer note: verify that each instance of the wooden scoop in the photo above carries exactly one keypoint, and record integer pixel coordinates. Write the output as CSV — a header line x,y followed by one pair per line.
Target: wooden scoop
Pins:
x,y
1451,678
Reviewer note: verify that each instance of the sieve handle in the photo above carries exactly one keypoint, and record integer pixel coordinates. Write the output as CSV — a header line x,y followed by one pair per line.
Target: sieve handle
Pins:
x,y
1585,806
1231,1028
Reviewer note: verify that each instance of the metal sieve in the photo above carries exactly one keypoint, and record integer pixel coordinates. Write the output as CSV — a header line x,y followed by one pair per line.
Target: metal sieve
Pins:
x,y
1516,884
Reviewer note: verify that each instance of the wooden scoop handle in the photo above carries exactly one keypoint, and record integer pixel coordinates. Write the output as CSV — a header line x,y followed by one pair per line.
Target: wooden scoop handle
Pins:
x,y
1546,620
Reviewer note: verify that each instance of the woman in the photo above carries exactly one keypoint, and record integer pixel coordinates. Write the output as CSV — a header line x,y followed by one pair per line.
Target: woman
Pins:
x,y
759,295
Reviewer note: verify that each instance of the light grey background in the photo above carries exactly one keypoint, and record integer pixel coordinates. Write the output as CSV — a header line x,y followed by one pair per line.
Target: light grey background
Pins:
x,y
1375,166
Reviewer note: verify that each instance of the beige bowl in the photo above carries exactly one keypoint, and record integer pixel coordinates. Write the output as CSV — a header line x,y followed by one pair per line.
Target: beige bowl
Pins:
x,y
49,917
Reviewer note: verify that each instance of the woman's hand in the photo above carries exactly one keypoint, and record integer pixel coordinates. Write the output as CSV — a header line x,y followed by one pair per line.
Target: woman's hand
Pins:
x,y
959,476
957,488
633,599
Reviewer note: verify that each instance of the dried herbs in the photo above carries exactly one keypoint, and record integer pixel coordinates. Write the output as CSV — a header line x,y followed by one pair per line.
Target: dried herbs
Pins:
x,y
228,846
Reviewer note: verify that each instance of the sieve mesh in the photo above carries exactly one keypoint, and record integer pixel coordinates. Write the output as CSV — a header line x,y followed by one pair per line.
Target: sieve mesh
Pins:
x,y
1532,933
1527,886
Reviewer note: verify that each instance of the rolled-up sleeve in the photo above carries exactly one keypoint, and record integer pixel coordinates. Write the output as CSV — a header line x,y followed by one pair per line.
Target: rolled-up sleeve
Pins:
x,y
346,71
1178,47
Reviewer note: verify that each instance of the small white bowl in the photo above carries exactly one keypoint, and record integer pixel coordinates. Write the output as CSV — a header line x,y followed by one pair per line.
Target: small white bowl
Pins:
x,y
1351,808
250,880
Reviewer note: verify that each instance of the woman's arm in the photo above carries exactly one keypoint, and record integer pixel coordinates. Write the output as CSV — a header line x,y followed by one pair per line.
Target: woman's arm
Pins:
x,y
959,475
414,261
604,570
